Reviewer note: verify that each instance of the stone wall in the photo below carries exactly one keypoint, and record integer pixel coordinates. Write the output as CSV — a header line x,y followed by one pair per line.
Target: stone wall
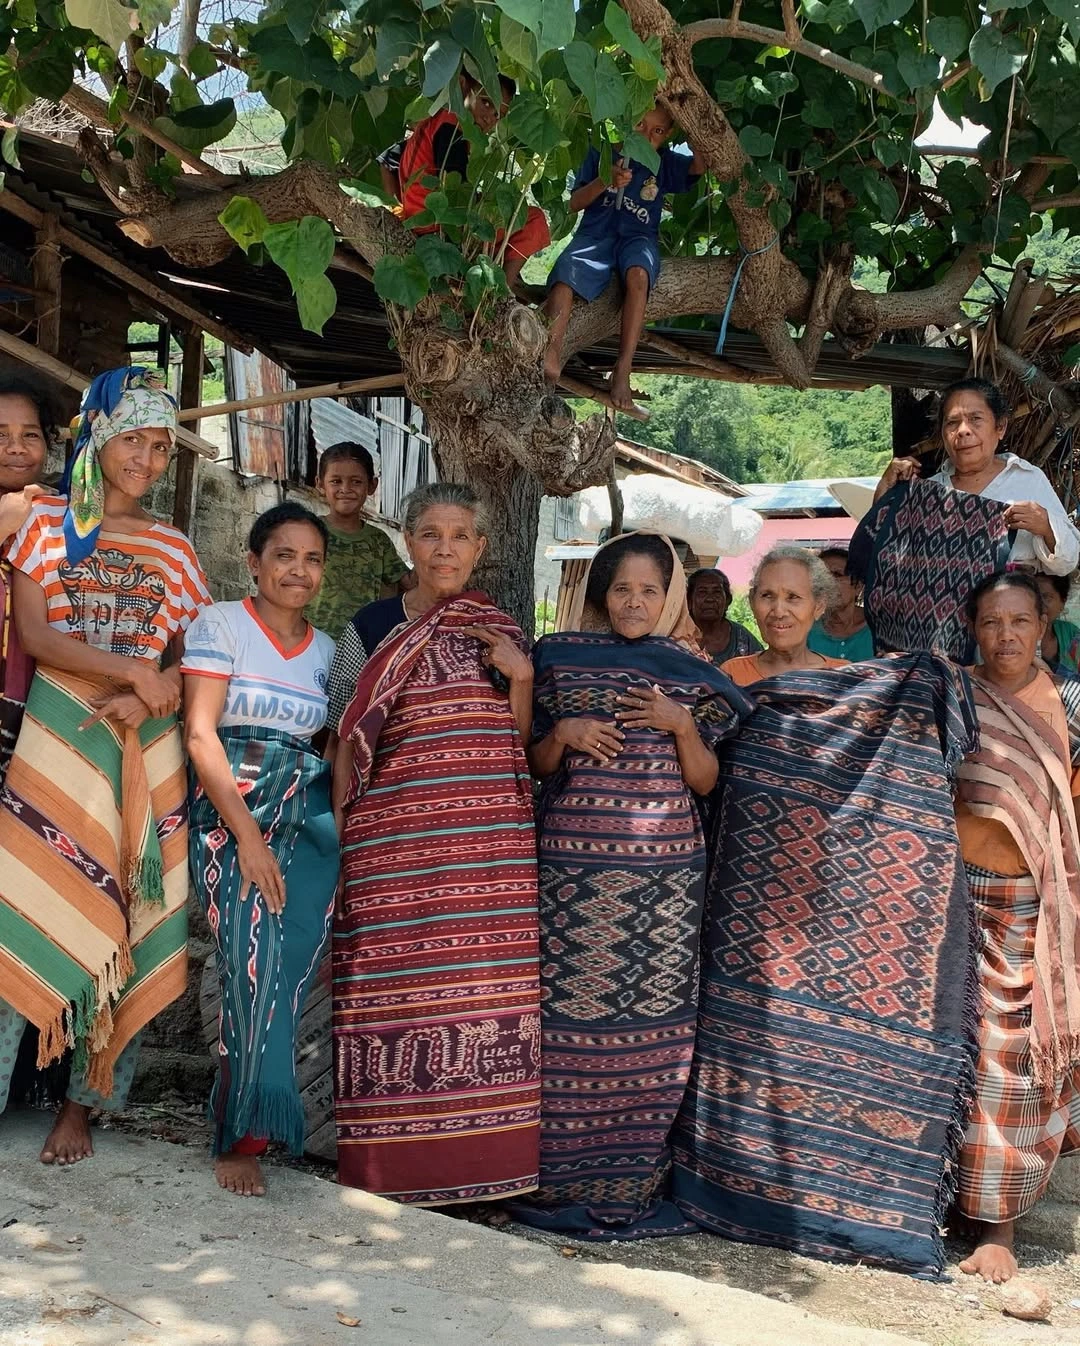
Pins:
x,y
546,572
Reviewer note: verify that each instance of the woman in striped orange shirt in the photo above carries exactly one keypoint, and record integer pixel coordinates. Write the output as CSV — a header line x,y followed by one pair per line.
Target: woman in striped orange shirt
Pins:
x,y
93,848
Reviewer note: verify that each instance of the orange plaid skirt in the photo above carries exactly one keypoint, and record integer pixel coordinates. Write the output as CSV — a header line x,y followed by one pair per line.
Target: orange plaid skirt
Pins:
x,y
1017,1132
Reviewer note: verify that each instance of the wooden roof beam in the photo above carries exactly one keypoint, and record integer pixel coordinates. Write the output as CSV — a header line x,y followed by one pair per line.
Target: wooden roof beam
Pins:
x,y
158,296
71,378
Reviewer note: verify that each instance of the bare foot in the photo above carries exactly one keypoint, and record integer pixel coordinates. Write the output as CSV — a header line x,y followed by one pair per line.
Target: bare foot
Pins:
x,y
621,394
552,366
993,1259
240,1174
69,1140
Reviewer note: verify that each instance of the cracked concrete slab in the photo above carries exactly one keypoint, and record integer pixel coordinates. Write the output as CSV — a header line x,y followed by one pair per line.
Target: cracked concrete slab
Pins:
x,y
138,1245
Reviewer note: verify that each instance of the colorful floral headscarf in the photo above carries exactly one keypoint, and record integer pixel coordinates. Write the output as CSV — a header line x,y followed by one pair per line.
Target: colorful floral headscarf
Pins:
x,y
130,398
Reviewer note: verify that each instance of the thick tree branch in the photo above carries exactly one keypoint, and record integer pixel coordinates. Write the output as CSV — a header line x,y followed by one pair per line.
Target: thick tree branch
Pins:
x,y
773,37
766,280
189,231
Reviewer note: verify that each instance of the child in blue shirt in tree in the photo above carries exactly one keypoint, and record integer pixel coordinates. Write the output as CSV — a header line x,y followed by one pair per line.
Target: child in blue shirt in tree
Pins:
x,y
619,231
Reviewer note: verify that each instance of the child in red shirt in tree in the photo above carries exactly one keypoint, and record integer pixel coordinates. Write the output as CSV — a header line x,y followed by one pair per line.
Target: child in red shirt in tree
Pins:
x,y
619,232
437,146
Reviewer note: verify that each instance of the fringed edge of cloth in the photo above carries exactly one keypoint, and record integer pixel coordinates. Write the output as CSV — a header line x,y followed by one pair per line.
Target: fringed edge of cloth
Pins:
x,y
967,1086
267,1111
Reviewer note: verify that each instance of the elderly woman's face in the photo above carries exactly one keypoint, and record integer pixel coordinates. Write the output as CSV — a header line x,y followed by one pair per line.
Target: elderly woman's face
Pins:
x,y
445,548
710,600
846,588
1008,629
970,433
784,605
635,597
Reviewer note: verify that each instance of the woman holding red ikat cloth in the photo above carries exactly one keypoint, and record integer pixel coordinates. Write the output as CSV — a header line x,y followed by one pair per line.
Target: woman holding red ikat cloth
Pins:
x,y
436,980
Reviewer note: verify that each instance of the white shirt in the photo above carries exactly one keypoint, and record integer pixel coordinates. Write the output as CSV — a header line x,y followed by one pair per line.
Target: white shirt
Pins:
x,y
268,687
1018,481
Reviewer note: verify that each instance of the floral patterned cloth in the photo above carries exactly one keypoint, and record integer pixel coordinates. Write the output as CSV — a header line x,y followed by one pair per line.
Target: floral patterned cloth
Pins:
x,y
123,399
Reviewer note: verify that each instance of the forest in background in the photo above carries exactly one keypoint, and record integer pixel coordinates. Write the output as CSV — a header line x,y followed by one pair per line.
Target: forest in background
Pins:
x,y
760,433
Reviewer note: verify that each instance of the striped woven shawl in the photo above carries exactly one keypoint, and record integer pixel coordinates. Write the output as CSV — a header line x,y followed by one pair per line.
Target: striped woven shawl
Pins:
x,y
93,875
1019,778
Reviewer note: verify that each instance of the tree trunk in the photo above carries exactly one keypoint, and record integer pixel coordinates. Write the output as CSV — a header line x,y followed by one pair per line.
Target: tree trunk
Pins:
x,y
511,499
495,427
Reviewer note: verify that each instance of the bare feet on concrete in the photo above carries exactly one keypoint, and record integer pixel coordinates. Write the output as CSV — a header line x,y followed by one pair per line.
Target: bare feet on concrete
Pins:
x,y
69,1140
240,1174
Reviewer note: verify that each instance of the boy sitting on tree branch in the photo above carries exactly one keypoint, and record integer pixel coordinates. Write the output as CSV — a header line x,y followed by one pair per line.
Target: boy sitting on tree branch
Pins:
x,y
438,146
619,232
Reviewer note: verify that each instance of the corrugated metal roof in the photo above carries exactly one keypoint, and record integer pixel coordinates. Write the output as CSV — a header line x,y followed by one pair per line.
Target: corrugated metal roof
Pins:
x,y
811,496
333,422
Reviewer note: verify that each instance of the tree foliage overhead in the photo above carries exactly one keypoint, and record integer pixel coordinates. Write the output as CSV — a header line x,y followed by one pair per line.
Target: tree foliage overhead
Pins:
x,y
807,115
809,127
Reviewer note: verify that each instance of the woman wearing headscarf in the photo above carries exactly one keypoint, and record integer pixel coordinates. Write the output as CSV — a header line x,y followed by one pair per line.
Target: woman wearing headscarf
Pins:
x,y
625,723
1016,817
436,986
93,847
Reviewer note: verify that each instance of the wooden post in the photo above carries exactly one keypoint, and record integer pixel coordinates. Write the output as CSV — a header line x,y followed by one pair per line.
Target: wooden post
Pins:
x,y
187,464
47,264
615,498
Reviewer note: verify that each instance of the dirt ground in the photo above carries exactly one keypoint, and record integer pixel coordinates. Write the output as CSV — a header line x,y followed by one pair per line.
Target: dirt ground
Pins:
x,y
959,1311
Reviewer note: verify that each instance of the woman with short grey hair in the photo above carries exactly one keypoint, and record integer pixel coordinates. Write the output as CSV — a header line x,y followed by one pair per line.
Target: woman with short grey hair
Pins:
x,y
436,945
790,591
372,623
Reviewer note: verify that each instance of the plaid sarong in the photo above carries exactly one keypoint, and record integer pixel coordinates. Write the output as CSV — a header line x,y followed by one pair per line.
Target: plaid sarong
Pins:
x,y
1017,1131
1019,778
919,552
93,875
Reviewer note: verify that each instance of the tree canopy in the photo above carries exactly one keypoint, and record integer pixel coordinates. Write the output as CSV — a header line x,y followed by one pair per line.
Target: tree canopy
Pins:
x,y
806,114
809,129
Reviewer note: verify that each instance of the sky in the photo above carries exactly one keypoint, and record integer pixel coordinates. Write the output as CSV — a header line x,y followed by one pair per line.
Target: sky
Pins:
x,y
942,131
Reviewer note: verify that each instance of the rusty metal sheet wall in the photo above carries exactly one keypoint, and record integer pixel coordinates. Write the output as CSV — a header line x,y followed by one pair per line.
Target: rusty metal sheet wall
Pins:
x,y
258,436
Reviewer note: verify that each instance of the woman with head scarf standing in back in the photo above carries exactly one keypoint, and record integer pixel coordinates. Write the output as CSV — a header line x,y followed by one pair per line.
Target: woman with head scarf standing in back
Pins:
x,y
625,727
93,876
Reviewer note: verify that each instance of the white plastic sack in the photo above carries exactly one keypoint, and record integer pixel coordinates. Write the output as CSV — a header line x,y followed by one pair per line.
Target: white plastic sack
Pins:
x,y
711,524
